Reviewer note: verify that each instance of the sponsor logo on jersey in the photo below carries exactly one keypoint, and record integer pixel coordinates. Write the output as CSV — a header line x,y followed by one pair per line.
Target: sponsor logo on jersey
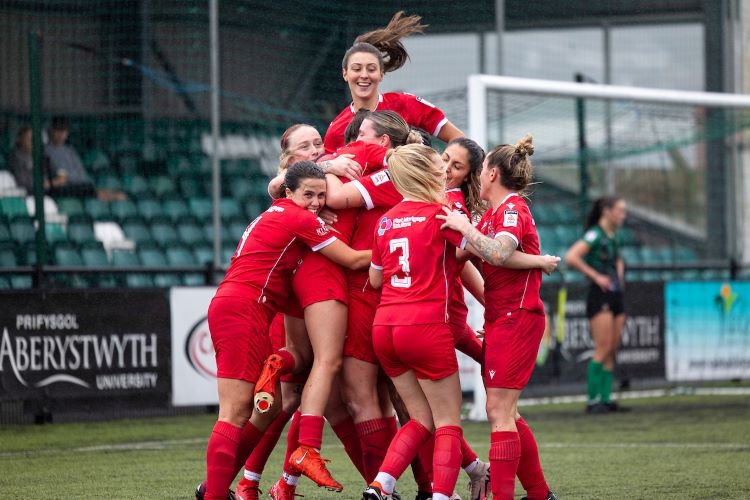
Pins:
x,y
385,225
275,208
492,374
323,229
381,177
407,221
510,218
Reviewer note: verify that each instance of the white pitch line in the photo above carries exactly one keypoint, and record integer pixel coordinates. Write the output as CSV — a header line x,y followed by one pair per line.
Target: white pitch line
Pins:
x,y
644,394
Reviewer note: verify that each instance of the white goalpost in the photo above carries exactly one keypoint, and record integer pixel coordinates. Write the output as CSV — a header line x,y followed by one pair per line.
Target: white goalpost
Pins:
x,y
641,141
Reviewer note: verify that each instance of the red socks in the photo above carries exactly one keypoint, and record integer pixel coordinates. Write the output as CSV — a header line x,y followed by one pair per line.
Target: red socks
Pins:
x,y
505,453
292,443
529,467
421,466
221,455
446,460
468,455
288,362
404,447
374,438
311,431
347,433
256,462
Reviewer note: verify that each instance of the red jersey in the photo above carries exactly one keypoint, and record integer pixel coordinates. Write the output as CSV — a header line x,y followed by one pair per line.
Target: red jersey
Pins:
x,y
506,289
270,249
371,158
380,195
458,310
418,260
416,111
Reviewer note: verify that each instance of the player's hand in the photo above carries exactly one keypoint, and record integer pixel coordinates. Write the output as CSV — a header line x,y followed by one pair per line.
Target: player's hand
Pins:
x,y
550,263
328,216
480,334
454,220
603,281
344,166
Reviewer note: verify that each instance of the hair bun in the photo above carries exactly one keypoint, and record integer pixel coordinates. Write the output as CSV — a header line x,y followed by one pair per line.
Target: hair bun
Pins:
x,y
524,146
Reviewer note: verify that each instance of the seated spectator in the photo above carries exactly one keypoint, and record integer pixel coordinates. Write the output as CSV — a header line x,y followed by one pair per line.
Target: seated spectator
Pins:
x,y
22,163
67,174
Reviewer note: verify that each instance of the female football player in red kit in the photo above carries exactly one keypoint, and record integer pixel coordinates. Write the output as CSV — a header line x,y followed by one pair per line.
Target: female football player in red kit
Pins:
x,y
240,313
363,67
514,314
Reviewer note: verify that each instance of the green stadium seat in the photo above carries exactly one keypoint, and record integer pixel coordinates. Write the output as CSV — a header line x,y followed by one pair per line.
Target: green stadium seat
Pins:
x,y
5,282
253,208
26,253
685,254
4,231
202,208
70,206
180,256
175,208
11,206
190,233
97,209
126,258
148,208
123,208
128,164
136,229
162,185
21,281
164,233
22,229
93,255
135,185
193,187
95,161
241,188
230,207
630,255
8,255
235,228
55,233
167,280
203,254
81,232
178,166
109,181
66,254
627,236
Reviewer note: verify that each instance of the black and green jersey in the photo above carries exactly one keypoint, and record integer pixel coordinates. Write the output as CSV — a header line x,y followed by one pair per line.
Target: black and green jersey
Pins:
x,y
604,252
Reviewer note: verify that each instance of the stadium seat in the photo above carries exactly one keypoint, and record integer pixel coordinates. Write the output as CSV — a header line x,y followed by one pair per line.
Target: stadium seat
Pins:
x,y
203,254
66,254
97,209
175,208
55,233
128,164
11,206
93,255
109,181
4,231
125,258
22,229
231,208
202,208
193,187
95,161
162,185
80,232
8,255
135,185
26,253
21,281
253,208
70,206
178,166
5,282
180,256
241,189
7,181
137,230
164,233
148,208
123,208
190,233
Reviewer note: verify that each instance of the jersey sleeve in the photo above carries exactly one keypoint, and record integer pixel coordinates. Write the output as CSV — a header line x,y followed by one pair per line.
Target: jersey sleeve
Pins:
x,y
423,114
454,238
511,220
377,261
312,230
377,190
591,237
374,157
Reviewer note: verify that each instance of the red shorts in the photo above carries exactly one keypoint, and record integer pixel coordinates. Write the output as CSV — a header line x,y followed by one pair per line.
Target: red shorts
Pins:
x,y
511,344
358,342
465,340
292,308
319,279
426,349
239,331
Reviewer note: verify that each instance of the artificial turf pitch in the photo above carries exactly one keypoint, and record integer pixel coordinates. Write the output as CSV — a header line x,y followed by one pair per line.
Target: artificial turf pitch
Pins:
x,y
679,447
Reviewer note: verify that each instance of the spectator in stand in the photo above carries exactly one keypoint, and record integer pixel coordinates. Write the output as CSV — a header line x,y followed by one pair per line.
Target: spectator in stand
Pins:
x,y
68,177
22,161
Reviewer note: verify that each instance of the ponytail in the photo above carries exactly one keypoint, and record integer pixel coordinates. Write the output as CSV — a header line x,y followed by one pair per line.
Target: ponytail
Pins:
x,y
385,43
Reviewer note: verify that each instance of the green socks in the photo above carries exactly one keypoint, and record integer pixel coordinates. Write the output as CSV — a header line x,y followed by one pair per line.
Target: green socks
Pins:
x,y
593,380
605,379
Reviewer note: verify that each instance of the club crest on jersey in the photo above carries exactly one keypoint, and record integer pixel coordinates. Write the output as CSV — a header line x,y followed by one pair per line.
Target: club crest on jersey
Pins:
x,y
381,177
385,225
510,218
323,229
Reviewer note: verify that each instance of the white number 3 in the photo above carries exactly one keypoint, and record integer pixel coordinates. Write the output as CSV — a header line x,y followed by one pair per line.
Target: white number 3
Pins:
x,y
403,260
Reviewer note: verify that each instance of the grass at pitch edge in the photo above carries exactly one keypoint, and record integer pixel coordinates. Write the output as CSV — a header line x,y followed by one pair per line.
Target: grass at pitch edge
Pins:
x,y
669,447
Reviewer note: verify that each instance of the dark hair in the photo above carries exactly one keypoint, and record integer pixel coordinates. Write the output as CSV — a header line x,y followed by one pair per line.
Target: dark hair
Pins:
x,y
592,219
21,132
352,130
513,162
385,43
59,123
300,171
471,187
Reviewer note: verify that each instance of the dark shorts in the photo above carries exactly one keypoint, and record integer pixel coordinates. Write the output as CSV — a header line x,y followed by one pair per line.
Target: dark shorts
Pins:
x,y
600,301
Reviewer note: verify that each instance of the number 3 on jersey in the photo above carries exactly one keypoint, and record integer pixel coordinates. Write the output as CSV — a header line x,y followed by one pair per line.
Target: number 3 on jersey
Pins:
x,y
402,245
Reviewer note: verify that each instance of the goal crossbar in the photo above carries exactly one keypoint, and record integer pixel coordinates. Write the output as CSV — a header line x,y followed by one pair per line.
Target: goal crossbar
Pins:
x,y
479,84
